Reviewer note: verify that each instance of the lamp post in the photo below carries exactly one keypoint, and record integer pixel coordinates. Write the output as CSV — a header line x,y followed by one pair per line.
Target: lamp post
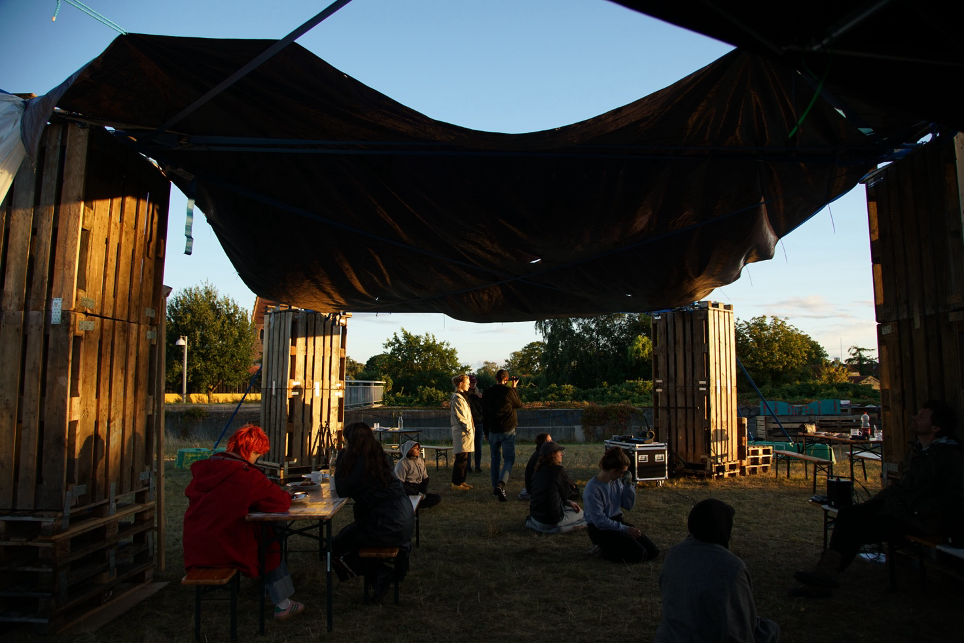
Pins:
x,y
182,342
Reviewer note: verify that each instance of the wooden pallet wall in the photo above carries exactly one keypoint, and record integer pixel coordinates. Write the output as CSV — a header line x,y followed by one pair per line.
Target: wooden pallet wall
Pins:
x,y
694,379
917,250
81,265
303,386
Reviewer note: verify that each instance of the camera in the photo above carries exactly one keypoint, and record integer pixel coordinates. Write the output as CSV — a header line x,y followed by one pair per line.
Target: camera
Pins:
x,y
515,378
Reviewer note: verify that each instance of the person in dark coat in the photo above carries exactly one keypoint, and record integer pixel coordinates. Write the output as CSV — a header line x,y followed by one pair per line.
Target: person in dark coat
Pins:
x,y
499,422
550,509
224,489
474,396
383,512
541,440
928,500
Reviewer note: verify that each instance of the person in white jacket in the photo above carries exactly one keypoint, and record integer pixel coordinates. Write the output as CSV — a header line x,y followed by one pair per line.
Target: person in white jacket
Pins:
x,y
411,471
463,432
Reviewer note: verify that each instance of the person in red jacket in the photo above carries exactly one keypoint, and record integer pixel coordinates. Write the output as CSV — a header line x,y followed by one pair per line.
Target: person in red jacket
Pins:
x,y
225,488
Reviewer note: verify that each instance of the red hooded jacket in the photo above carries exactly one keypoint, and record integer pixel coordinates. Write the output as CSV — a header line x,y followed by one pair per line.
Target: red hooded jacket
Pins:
x,y
225,488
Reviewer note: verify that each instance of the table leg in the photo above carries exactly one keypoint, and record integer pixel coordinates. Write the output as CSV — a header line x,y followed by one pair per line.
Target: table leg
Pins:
x,y
417,540
328,547
262,564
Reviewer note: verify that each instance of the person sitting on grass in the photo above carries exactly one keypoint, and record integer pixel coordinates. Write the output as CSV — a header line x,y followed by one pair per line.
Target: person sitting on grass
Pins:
x,y
604,498
707,594
411,471
383,512
541,440
550,510
928,500
225,487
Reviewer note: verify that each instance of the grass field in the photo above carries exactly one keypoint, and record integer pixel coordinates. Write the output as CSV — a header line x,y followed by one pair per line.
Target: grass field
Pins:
x,y
479,575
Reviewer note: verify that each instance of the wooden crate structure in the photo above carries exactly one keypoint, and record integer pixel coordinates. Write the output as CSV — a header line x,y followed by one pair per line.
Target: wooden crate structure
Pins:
x,y
917,250
81,264
303,387
694,385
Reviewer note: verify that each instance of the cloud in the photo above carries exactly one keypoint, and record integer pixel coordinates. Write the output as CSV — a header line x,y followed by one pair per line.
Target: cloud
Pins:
x,y
810,306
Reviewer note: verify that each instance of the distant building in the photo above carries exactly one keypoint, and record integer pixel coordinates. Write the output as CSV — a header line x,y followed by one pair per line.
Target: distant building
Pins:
x,y
857,379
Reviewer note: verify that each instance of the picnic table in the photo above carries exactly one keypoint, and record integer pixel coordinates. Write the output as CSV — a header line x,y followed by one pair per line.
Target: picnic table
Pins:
x,y
863,449
319,507
398,436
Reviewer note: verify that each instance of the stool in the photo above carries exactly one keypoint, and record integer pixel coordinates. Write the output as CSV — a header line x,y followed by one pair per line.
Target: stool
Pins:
x,y
387,555
207,580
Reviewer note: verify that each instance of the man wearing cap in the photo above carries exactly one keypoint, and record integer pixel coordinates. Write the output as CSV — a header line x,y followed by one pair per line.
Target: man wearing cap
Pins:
x,y
499,421
550,509
707,595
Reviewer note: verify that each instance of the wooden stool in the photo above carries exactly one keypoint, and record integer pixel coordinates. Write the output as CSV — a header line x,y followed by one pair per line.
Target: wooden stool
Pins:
x,y
207,580
388,556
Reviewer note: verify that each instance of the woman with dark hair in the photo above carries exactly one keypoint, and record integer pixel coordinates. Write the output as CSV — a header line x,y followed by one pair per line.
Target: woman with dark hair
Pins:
x,y
550,510
223,490
383,511
606,495
541,440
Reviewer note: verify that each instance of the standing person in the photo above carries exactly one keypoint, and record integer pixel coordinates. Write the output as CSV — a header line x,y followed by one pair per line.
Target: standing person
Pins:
x,y
383,512
223,490
499,421
928,500
411,471
606,495
463,432
707,594
474,396
550,509
541,439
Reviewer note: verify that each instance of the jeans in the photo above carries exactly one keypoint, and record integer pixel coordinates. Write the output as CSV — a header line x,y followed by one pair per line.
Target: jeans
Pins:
x,y
278,584
502,444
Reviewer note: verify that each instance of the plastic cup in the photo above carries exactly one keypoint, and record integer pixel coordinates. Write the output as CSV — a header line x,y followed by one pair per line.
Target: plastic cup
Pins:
x,y
315,477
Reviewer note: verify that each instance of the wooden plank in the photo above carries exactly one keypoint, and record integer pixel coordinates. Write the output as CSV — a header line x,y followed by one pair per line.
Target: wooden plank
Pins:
x,y
96,227
127,483
125,248
112,242
20,227
297,403
102,427
140,290
31,426
44,216
70,218
85,374
11,345
117,420
51,494
140,456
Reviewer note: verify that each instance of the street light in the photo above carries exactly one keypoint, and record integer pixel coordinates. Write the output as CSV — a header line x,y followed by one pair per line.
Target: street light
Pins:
x,y
182,342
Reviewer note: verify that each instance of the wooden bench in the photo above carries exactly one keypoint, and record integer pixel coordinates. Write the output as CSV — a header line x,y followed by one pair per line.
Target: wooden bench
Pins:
x,y
921,546
440,450
394,451
819,464
385,554
207,580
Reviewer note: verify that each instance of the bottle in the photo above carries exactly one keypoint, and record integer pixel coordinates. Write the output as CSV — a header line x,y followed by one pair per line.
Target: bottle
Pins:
x,y
865,425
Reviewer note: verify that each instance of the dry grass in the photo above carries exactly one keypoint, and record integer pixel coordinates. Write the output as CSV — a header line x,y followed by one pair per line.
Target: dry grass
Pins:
x,y
481,576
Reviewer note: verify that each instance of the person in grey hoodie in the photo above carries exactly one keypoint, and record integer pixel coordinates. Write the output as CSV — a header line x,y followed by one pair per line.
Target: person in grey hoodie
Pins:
x,y
411,471
707,594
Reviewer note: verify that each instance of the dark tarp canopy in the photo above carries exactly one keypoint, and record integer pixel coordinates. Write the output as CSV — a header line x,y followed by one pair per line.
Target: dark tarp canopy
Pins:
x,y
328,195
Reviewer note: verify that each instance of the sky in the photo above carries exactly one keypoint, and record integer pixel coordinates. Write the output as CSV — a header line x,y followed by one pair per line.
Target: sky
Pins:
x,y
494,65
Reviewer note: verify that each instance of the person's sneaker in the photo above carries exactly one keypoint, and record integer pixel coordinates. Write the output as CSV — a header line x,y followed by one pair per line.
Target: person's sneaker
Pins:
x,y
294,608
500,492
460,488
595,551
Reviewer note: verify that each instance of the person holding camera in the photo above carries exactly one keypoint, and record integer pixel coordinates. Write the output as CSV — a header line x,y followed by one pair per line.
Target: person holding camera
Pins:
x,y
606,495
499,421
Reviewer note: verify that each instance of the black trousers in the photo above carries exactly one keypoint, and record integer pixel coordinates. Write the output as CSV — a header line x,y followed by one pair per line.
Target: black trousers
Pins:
x,y
620,547
860,524
461,465
347,564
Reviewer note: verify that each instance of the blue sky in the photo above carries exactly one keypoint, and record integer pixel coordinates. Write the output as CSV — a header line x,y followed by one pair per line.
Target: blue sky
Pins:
x,y
496,65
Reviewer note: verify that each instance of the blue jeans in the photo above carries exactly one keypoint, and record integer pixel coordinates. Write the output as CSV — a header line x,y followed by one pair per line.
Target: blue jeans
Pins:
x,y
502,444
478,450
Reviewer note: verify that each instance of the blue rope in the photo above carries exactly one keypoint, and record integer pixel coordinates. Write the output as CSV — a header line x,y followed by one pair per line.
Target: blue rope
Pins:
x,y
250,384
93,14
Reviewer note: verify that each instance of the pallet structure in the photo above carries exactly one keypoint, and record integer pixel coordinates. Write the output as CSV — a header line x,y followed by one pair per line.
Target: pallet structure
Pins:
x,y
694,380
81,264
915,212
303,387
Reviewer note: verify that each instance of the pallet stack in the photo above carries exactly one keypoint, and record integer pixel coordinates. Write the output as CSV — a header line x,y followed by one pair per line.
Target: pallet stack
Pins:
x,y
694,381
303,387
81,265
915,212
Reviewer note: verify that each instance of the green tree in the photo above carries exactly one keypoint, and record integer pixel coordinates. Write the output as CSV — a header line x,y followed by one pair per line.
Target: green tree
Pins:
x,y
220,339
774,352
414,361
352,369
587,352
861,362
834,372
527,361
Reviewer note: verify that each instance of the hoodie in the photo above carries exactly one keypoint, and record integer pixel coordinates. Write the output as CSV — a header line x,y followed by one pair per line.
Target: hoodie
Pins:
x,y
225,488
408,469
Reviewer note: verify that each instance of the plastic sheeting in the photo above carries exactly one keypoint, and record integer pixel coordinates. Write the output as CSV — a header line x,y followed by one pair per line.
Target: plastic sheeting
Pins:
x,y
328,195
12,151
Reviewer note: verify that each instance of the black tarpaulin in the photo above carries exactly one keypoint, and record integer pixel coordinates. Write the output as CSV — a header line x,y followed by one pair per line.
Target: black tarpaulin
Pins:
x,y
328,195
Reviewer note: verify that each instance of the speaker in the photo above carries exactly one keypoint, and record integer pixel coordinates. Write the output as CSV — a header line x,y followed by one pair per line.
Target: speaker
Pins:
x,y
840,492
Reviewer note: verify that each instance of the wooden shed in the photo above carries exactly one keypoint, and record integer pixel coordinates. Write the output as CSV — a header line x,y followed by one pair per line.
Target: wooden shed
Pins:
x,y
81,264
694,387
303,387
917,250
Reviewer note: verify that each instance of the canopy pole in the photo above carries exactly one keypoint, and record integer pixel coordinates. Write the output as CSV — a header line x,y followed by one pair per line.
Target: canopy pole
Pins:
x,y
241,73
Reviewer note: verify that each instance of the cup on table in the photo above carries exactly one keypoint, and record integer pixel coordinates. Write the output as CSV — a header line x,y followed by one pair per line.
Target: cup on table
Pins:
x,y
315,477
378,425
878,434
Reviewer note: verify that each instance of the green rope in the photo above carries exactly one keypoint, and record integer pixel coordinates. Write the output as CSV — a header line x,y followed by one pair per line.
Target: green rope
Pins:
x,y
90,12
813,100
